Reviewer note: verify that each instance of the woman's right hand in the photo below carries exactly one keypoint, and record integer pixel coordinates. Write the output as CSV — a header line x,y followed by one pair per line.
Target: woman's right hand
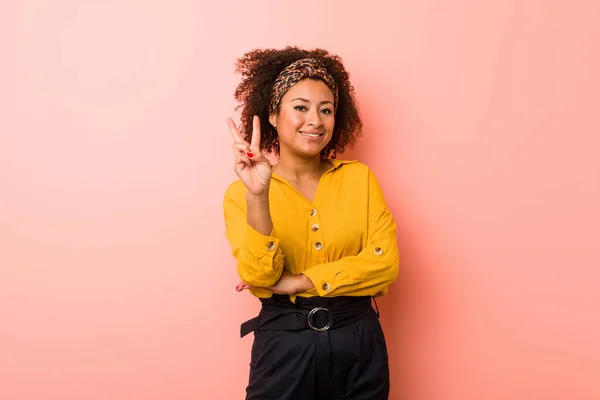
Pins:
x,y
251,166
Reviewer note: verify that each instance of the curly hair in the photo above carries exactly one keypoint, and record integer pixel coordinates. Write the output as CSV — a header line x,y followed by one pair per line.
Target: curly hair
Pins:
x,y
259,69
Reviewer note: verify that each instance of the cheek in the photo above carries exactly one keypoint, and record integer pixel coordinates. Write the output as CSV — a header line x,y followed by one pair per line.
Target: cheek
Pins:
x,y
292,120
297,119
330,123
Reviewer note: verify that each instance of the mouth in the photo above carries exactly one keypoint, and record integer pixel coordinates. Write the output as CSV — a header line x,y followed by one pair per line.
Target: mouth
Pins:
x,y
311,135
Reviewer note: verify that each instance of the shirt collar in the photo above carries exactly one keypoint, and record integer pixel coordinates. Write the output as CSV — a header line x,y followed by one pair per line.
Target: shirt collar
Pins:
x,y
335,162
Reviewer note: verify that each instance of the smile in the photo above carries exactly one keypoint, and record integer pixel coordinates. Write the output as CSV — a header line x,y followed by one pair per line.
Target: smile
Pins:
x,y
314,135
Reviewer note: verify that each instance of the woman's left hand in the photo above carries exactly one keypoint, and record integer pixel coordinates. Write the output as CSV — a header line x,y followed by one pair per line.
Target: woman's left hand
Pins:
x,y
291,284
287,284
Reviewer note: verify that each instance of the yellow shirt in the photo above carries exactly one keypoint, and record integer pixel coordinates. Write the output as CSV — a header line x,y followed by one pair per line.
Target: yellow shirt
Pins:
x,y
344,240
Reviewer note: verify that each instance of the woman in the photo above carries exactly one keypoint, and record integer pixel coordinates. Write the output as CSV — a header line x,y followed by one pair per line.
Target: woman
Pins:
x,y
312,235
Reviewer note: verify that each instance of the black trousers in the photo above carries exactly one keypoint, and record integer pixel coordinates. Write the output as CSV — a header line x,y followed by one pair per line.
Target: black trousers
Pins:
x,y
292,361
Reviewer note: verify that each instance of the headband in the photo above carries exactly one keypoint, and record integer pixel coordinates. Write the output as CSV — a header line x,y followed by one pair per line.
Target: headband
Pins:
x,y
296,71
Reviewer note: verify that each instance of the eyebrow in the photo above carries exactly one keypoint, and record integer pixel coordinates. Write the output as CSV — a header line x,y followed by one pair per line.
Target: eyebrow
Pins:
x,y
303,99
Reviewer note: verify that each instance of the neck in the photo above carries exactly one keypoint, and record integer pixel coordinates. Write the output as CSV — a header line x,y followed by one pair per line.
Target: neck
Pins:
x,y
300,168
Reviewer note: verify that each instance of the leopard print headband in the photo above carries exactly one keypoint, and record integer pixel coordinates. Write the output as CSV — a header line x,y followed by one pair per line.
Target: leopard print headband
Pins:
x,y
298,70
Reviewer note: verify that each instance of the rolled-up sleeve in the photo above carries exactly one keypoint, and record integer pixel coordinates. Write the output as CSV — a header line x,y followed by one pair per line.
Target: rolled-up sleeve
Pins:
x,y
259,257
372,270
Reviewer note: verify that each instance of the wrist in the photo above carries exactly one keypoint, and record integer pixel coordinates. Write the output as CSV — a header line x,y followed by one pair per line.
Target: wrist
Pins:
x,y
260,197
305,283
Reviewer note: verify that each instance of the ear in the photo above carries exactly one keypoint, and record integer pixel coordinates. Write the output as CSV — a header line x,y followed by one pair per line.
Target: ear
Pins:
x,y
273,120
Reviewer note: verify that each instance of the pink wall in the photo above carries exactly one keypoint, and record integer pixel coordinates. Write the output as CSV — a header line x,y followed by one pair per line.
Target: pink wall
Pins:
x,y
481,120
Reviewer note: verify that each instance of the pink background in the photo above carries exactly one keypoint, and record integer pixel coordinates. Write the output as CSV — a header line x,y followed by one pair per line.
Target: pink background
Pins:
x,y
481,121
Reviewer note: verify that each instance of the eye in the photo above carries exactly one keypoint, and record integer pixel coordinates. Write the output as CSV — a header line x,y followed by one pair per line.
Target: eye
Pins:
x,y
327,111
300,108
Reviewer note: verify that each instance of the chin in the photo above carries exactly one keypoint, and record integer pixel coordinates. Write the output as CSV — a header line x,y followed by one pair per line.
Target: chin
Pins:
x,y
307,154
308,149
310,152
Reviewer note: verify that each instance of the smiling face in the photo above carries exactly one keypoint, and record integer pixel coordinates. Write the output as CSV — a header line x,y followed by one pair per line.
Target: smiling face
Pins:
x,y
306,119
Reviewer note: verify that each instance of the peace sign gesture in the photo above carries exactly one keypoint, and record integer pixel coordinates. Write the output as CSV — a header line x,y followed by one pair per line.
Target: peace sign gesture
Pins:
x,y
251,166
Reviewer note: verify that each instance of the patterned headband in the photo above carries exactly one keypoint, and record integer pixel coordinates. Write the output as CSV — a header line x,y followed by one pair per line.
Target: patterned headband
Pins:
x,y
293,73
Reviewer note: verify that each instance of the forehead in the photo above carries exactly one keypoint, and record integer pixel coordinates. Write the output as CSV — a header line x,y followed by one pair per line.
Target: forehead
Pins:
x,y
309,89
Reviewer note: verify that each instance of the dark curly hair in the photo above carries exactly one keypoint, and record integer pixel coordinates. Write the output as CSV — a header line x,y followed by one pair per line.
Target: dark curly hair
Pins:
x,y
259,69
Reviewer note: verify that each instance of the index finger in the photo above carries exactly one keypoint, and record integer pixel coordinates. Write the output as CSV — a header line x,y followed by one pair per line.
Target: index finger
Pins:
x,y
255,141
237,136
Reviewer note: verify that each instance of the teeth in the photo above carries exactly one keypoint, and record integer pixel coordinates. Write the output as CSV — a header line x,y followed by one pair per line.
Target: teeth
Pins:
x,y
310,134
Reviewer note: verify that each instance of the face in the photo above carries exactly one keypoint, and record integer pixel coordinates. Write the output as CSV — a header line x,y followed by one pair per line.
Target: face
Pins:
x,y
306,119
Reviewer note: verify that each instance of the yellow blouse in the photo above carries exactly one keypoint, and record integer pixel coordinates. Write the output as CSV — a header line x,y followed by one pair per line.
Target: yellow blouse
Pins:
x,y
344,240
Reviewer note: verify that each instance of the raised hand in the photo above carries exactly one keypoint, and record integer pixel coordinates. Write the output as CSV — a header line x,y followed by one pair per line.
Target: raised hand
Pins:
x,y
251,166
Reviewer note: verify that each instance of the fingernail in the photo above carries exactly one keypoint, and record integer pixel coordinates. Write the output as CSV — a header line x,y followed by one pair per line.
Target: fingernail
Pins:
x,y
250,154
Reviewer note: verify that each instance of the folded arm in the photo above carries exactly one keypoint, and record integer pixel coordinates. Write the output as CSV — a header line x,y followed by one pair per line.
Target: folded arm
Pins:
x,y
253,240
375,267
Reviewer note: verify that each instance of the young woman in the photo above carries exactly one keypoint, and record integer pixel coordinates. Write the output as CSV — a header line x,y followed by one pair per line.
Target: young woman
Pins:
x,y
312,235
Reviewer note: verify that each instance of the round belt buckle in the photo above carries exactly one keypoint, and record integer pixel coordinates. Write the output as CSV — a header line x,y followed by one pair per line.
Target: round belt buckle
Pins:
x,y
311,316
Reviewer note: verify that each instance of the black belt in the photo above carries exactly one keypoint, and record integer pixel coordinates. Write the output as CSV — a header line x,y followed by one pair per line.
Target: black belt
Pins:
x,y
317,313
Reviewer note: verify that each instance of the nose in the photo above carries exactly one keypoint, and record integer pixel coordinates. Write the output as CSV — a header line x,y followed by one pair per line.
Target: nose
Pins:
x,y
313,118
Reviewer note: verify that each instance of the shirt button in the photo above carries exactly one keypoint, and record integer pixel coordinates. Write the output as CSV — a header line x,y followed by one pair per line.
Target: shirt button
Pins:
x,y
318,245
271,246
315,227
313,212
378,251
326,286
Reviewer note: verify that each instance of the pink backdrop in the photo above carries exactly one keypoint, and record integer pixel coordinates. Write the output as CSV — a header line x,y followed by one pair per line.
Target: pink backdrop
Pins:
x,y
481,121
